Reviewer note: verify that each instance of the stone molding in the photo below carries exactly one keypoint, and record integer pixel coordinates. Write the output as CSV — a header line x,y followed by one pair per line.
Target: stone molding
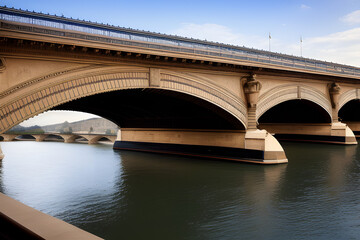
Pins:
x,y
206,91
348,96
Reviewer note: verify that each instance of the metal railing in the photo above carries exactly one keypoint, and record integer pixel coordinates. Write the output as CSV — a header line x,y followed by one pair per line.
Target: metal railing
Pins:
x,y
171,43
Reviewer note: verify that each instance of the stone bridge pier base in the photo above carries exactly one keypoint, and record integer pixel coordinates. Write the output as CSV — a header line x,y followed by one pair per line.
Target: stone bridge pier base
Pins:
x,y
253,146
1,154
336,133
355,127
68,138
8,137
39,137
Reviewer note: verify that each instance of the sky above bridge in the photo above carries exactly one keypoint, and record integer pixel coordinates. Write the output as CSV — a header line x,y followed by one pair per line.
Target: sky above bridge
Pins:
x,y
329,29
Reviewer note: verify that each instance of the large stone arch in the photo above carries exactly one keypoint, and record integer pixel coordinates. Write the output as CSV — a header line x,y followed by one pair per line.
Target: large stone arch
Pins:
x,y
348,96
288,92
20,107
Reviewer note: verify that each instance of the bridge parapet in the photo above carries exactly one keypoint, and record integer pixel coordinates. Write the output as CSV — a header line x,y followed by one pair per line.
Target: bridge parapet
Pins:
x,y
12,19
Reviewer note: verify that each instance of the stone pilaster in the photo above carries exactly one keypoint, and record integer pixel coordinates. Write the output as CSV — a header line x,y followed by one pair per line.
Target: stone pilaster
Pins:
x,y
252,88
334,92
337,128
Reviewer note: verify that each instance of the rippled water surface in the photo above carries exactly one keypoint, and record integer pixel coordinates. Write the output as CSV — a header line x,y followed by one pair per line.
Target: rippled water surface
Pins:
x,y
131,195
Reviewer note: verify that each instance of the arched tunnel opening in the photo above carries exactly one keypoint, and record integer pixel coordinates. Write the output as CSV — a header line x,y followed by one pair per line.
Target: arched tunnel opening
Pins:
x,y
295,111
350,111
155,108
53,137
350,114
25,137
297,120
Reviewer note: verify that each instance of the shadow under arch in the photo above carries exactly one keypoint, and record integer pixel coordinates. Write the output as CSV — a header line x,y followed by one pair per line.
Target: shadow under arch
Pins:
x,y
54,137
104,139
350,111
27,137
296,111
67,90
155,108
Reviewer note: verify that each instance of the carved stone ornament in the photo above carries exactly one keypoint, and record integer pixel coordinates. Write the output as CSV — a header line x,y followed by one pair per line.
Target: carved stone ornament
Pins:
x,y
252,88
334,91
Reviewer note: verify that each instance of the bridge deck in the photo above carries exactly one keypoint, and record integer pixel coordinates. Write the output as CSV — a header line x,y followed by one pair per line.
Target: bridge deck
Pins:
x,y
87,31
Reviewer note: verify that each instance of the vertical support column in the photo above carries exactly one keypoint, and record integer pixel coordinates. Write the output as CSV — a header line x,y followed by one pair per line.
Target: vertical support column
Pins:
x,y
334,91
256,139
40,137
339,129
252,88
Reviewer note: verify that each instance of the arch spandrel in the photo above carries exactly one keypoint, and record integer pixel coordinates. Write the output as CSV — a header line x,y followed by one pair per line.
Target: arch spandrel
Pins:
x,y
288,92
347,96
33,103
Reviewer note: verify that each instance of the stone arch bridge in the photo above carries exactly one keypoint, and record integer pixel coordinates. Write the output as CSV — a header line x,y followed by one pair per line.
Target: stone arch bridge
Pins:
x,y
170,94
66,137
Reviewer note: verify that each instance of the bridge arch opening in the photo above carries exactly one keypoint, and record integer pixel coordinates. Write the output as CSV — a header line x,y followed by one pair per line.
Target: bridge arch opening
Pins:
x,y
350,111
296,111
155,108
25,137
298,120
54,138
104,139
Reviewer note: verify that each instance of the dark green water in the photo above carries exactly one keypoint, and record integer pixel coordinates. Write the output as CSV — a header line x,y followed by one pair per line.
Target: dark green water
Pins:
x,y
131,195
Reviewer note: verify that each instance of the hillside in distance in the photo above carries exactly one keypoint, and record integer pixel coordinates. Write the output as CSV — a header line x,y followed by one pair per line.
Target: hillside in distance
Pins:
x,y
92,125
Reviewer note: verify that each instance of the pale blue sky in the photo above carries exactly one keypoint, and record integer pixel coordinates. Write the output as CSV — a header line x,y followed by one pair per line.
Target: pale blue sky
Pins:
x,y
330,29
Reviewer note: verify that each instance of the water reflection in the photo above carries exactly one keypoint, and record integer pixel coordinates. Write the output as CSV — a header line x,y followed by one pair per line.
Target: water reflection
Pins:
x,y
131,195
63,180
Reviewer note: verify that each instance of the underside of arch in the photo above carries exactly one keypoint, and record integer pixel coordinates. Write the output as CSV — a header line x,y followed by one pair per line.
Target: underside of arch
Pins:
x,y
54,137
350,111
348,96
155,108
296,111
286,93
26,106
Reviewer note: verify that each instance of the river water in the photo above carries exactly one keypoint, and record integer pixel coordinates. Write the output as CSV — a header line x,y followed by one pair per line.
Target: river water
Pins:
x,y
132,195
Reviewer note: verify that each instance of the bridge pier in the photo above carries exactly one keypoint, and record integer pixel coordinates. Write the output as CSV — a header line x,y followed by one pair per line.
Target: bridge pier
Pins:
x,y
338,133
1,154
93,139
39,137
355,127
9,137
68,138
255,146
